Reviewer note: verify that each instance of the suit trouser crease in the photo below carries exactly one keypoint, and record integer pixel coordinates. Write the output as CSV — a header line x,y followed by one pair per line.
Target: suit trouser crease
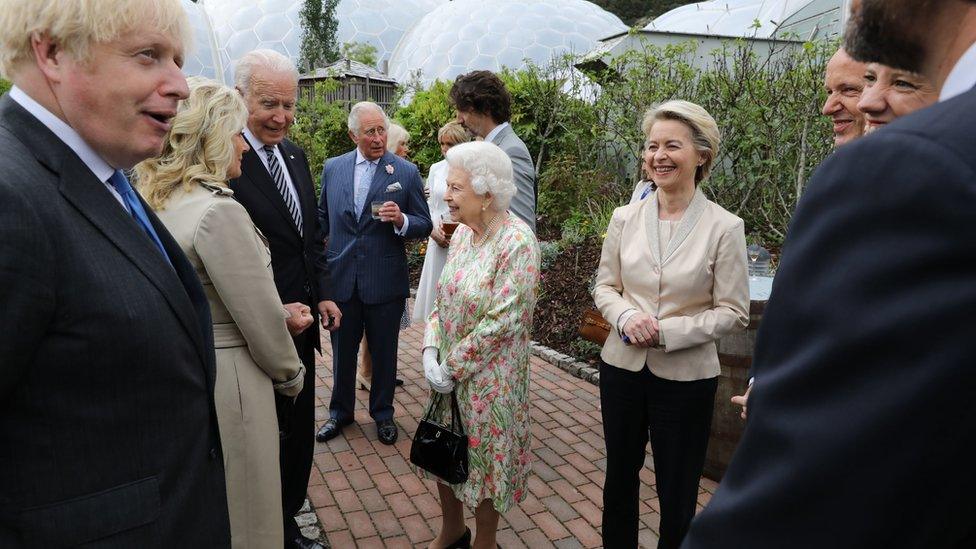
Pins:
x,y
381,323
298,446
676,417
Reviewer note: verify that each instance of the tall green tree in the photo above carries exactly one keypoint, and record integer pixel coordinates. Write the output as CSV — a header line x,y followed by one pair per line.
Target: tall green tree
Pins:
x,y
319,26
630,11
363,52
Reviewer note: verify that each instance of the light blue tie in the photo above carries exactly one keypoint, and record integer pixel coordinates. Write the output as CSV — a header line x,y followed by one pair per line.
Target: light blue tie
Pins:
x,y
362,189
128,195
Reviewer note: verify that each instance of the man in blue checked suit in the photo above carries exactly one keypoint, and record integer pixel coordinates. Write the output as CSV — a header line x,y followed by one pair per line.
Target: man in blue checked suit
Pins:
x,y
368,262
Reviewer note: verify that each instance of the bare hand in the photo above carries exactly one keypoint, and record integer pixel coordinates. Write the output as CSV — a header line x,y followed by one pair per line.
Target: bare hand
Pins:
x,y
299,319
642,330
390,212
437,234
331,315
742,400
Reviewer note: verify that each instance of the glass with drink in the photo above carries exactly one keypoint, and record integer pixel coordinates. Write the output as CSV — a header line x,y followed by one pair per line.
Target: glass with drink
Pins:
x,y
374,208
448,225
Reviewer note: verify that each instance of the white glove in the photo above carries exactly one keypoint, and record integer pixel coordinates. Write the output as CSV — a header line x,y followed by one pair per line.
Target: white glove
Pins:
x,y
436,374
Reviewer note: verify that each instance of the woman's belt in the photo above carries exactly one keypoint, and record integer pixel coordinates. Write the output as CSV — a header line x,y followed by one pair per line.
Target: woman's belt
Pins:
x,y
227,336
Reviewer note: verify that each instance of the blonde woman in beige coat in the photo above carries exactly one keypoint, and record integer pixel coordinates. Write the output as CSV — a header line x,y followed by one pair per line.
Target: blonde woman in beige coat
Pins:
x,y
672,280
255,355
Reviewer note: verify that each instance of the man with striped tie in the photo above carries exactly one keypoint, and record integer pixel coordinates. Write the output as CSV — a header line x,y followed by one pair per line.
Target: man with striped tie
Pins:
x,y
276,189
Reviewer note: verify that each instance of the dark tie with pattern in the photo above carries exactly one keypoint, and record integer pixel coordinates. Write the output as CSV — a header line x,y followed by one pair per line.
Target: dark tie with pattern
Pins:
x,y
279,178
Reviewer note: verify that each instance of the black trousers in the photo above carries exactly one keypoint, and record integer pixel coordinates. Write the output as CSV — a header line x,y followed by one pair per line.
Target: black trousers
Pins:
x,y
677,416
381,322
298,441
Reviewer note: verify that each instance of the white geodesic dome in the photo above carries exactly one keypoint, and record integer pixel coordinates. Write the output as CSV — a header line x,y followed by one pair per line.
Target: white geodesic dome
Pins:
x,y
465,35
202,59
243,25
750,18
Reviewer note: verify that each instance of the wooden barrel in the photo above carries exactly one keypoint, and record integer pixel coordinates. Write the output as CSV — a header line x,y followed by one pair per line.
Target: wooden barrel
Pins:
x,y
735,357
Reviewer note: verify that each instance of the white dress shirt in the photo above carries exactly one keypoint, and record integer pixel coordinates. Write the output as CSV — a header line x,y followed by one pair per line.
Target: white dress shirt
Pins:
x,y
98,166
491,135
258,147
962,78
358,176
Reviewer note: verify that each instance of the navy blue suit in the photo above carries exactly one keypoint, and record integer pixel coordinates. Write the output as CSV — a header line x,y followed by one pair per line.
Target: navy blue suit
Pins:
x,y
862,418
368,264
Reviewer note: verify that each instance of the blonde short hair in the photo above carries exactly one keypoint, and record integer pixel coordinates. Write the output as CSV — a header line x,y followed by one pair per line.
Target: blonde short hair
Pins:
x,y
199,148
704,130
489,168
76,25
395,136
455,132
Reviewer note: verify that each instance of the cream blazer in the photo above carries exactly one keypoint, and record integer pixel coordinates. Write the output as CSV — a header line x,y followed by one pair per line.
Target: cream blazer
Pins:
x,y
698,288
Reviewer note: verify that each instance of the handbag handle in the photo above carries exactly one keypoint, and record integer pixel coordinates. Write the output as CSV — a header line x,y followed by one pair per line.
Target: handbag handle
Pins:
x,y
456,424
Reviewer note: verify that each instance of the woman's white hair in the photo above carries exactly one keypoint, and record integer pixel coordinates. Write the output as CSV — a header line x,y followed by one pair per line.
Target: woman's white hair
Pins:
x,y
490,170
261,59
395,136
356,112
77,25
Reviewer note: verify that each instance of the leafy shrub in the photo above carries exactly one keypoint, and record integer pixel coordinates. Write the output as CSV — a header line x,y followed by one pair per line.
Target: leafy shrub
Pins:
x,y
320,128
4,86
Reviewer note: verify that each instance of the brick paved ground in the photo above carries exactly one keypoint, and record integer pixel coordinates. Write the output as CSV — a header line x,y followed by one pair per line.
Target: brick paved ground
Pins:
x,y
366,494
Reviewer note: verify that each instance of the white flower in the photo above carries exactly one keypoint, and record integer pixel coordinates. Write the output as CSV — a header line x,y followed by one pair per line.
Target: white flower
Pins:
x,y
389,169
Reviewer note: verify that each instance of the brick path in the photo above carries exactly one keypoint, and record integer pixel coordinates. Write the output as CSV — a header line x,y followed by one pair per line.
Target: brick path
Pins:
x,y
366,494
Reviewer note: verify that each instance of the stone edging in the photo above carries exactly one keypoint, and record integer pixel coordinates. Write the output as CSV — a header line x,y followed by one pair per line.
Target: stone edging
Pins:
x,y
566,363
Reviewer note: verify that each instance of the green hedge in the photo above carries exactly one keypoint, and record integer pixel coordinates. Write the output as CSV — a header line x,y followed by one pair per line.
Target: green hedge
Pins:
x,y
586,140
4,86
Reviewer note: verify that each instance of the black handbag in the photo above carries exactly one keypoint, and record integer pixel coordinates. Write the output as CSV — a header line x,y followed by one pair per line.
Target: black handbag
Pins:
x,y
441,450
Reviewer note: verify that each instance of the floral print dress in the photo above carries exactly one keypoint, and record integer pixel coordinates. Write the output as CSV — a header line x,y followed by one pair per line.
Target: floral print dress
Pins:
x,y
480,323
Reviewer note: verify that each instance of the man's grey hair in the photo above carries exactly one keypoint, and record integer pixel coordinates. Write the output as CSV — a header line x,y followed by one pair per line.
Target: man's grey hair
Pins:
x,y
356,112
267,59
489,168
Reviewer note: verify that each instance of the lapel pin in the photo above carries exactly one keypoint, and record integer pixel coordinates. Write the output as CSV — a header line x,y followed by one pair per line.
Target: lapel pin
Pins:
x,y
389,169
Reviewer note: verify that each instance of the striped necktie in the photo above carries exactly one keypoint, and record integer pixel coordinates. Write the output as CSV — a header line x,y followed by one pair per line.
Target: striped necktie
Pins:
x,y
279,178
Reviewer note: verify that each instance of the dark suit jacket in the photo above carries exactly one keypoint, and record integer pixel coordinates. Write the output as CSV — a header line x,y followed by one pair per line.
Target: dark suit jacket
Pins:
x,y
363,253
862,419
297,260
523,170
107,427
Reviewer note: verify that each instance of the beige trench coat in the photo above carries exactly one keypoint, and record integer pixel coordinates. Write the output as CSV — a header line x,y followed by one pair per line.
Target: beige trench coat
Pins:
x,y
255,353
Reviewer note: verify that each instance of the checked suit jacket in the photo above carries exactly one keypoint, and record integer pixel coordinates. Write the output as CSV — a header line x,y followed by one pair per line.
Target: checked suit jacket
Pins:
x,y
108,434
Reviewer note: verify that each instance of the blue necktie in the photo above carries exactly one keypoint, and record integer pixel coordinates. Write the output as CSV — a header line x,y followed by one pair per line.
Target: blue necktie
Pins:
x,y
362,189
128,195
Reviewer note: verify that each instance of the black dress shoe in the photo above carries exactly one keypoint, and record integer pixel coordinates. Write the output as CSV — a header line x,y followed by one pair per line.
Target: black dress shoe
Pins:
x,y
387,431
398,382
463,542
301,542
330,430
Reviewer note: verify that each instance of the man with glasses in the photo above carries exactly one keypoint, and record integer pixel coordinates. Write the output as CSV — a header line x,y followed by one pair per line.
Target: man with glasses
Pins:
x,y
372,201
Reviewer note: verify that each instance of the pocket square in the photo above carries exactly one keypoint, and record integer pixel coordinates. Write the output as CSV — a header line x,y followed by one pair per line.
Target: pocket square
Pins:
x,y
393,187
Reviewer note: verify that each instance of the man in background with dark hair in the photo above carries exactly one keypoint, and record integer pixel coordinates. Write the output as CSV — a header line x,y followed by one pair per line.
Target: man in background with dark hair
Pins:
x,y
862,419
484,107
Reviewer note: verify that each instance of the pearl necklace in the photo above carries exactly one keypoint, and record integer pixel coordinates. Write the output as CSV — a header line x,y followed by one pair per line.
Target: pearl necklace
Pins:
x,y
488,231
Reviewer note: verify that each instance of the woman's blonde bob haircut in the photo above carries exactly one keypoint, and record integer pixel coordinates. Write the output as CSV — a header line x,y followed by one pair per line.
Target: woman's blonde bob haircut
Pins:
x,y
396,135
199,148
489,168
76,25
454,132
704,131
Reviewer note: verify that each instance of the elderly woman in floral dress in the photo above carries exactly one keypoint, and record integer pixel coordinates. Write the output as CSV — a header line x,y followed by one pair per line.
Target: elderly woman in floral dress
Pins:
x,y
477,340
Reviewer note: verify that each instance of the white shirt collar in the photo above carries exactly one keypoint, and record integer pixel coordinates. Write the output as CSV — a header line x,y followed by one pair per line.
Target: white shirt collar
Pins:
x,y
491,135
65,133
962,78
360,158
255,143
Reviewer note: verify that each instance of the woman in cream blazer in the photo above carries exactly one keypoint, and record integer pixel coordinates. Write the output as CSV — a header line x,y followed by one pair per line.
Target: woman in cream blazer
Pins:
x,y
672,280
255,354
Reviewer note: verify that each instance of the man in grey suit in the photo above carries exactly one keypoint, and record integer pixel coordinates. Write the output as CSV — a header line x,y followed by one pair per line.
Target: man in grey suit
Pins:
x,y
484,107
368,262
108,436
